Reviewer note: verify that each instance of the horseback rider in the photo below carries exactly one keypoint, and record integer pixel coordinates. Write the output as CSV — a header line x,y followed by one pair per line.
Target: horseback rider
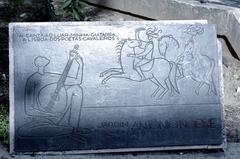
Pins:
x,y
150,52
185,60
189,56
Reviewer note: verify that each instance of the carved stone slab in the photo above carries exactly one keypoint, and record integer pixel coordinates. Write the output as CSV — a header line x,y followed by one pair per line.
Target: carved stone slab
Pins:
x,y
115,86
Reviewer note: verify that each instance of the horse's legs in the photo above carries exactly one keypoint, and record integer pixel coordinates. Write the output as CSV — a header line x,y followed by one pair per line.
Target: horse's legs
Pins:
x,y
158,87
111,70
160,84
116,75
211,87
166,89
180,71
199,87
169,84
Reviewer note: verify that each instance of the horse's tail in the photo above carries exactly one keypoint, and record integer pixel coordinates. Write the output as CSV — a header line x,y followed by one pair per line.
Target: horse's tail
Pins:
x,y
172,77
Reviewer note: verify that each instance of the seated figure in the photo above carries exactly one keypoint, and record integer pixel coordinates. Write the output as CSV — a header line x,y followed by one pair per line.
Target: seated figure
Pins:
x,y
53,101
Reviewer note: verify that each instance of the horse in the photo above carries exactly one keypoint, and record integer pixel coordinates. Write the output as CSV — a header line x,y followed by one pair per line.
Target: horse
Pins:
x,y
199,68
162,78
167,46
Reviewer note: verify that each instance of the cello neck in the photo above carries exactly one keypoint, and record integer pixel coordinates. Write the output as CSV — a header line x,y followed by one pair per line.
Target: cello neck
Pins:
x,y
65,72
64,75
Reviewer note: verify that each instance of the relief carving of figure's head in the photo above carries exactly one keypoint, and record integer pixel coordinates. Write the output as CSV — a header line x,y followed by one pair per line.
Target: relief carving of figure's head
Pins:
x,y
153,33
41,62
194,30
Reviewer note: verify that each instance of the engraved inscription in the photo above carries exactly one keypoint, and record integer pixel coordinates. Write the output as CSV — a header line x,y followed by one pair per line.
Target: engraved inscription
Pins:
x,y
53,37
155,124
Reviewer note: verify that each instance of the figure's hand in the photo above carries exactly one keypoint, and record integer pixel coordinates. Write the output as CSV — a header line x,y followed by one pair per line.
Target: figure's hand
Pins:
x,y
179,59
141,56
79,59
73,54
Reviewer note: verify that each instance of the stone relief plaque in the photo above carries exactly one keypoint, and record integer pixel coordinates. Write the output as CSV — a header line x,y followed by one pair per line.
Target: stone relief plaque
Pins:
x,y
115,86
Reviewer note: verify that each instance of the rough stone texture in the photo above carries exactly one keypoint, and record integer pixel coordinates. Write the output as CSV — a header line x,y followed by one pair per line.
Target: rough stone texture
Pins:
x,y
232,152
226,18
231,74
234,3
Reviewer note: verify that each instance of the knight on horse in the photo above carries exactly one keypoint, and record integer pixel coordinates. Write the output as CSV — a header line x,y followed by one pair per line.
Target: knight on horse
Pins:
x,y
142,58
150,49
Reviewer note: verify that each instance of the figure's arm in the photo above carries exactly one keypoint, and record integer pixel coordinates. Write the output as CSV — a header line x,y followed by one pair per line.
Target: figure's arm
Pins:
x,y
30,104
146,51
79,76
180,58
29,96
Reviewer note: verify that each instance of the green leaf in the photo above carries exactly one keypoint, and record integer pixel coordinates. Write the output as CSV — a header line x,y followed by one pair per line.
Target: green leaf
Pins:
x,y
17,2
66,4
80,10
76,15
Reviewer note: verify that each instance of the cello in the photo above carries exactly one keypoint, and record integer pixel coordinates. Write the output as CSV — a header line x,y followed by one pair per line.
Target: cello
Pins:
x,y
53,98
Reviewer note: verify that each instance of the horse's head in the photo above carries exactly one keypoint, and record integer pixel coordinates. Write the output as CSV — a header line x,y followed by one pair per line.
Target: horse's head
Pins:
x,y
162,46
132,43
186,57
189,51
167,41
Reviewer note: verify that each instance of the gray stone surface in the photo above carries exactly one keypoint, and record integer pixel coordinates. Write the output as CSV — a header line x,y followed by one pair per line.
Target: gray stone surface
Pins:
x,y
99,101
226,18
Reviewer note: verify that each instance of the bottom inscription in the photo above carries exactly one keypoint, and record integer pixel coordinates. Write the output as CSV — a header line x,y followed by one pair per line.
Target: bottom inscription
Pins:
x,y
155,124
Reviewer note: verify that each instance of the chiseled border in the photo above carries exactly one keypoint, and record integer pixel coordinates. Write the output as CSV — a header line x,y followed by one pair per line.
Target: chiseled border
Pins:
x,y
11,89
